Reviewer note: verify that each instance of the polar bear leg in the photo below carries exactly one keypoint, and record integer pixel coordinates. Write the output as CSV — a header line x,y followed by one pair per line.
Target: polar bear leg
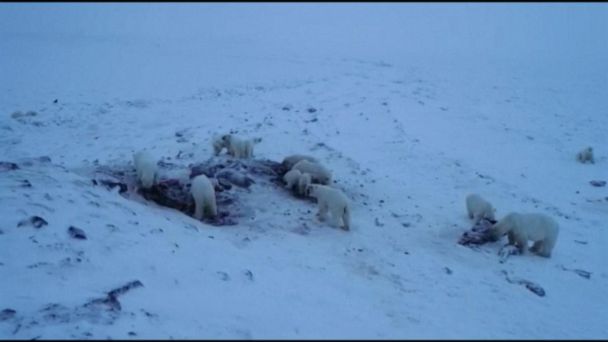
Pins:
x,y
236,151
511,237
547,246
249,148
335,220
323,207
207,209
290,183
544,252
346,218
210,207
303,183
335,216
537,246
203,192
522,243
338,218
247,151
198,211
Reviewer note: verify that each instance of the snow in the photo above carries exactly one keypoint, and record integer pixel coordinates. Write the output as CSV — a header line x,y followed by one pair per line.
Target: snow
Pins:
x,y
417,105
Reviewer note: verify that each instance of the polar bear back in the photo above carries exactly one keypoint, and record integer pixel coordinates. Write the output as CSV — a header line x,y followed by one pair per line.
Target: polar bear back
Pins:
x,y
293,159
332,196
239,148
537,226
146,168
317,171
533,226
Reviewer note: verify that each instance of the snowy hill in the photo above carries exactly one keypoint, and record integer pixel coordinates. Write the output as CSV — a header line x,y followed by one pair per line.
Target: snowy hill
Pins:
x,y
411,106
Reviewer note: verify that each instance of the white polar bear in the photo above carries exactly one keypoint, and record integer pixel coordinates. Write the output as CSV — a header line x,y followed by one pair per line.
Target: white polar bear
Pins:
x,y
204,197
521,227
333,200
295,177
478,208
586,155
146,168
291,160
318,172
239,148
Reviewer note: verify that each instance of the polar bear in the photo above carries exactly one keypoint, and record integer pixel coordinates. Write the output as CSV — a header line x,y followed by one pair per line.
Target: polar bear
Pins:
x,y
239,148
146,168
521,227
333,200
586,155
291,160
318,172
204,197
478,208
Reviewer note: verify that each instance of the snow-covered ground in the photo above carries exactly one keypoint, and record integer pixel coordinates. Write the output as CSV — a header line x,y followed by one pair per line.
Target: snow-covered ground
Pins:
x,y
415,106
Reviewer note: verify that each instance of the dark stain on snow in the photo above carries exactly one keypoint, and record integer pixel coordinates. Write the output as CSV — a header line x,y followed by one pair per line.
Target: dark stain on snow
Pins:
x,y
8,166
35,221
533,287
77,233
7,314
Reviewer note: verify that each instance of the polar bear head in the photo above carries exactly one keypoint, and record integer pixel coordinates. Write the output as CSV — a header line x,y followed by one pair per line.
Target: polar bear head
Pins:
x,y
227,138
502,227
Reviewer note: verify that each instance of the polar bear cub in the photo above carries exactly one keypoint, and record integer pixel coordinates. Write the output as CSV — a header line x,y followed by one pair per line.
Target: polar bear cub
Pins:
x,y
291,160
240,148
294,177
521,227
586,155
204,197
318,172
333,200
478,208
146,168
